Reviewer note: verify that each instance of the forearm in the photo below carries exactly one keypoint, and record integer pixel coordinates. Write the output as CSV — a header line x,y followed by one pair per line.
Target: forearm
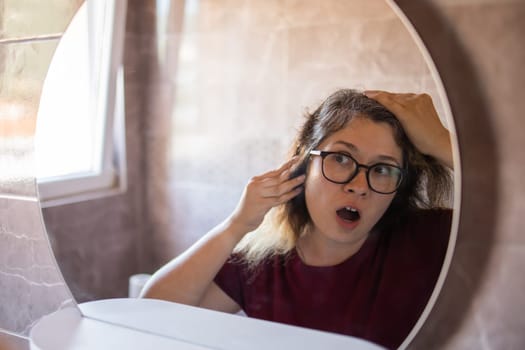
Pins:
x,y
186,278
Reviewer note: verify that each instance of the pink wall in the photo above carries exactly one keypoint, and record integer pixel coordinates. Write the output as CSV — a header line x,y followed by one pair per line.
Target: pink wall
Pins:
x,y
477,47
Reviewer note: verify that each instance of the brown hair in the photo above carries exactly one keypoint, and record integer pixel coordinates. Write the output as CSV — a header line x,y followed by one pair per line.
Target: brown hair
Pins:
x,y
426,183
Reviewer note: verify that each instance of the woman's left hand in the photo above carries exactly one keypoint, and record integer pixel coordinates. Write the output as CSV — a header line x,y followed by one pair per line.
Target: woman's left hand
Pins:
x,y
420,121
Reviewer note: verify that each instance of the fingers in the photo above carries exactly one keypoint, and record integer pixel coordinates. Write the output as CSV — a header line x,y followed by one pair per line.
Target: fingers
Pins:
x,y
410,109
266,191
395,102
277,176
276,185
289,195
389,95
280,189
385,98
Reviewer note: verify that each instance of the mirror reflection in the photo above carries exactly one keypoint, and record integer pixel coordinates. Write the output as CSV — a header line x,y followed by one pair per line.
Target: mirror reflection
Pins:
x,y
278,177
319,243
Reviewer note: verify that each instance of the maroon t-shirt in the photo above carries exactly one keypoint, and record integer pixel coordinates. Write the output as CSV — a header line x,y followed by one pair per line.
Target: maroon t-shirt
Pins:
x,y
377,294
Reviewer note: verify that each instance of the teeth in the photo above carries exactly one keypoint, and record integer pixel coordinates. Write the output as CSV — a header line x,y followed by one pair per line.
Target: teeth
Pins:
x,y
351,209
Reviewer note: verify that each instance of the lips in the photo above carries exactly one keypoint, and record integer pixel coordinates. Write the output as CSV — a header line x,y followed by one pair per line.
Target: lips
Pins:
x,y
348,214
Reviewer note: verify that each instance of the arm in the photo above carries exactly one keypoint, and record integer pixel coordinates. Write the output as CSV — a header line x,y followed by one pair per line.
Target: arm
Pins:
x,y
421,122
188,278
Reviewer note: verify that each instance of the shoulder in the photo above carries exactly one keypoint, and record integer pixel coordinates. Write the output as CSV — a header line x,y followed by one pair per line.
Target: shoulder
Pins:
x,y
428,227
419,244
239,265
437,218
419,227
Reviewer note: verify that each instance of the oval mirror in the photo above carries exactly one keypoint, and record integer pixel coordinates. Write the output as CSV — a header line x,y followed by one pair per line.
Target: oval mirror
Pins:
x,y
215,92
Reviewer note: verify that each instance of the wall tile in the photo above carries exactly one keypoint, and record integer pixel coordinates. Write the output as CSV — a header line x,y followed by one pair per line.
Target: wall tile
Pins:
x,y
32,285
228,15
23,67
311,12
26,19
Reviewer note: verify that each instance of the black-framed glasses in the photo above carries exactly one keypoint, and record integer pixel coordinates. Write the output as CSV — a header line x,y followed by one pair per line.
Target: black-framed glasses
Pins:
x,y
341,168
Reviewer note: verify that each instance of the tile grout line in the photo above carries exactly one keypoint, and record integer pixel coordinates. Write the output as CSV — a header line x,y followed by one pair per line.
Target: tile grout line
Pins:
x,y
31,38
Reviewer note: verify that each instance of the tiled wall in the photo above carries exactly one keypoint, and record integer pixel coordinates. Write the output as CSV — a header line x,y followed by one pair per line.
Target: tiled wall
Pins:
x,y
30,283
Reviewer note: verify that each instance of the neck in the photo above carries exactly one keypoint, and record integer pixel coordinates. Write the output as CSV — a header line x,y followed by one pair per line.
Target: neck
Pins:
x,y
320,251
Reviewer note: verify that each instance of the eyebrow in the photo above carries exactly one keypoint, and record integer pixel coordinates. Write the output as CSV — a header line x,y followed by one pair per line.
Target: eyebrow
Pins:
x,y
381,157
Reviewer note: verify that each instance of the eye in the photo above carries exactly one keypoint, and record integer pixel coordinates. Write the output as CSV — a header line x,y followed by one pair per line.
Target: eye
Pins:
x,y
386,170
341,158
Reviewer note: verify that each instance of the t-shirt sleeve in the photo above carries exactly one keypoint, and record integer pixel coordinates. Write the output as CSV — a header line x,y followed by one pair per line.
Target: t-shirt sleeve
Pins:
x,y
229,279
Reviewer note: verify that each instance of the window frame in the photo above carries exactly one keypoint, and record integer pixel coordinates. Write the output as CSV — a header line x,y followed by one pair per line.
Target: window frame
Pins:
x,y
107,99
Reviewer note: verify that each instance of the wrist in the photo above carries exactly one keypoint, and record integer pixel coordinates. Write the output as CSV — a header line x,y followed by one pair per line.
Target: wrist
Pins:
x,y
444,151
235,228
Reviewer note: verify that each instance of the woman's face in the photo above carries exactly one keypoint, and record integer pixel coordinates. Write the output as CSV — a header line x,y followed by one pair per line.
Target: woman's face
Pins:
x,y
328,203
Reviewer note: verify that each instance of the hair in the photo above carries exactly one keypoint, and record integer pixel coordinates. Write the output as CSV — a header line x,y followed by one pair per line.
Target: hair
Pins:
x,y
426,182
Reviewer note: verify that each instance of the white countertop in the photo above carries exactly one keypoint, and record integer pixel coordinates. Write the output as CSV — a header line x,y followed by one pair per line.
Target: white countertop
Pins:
x,y
154,324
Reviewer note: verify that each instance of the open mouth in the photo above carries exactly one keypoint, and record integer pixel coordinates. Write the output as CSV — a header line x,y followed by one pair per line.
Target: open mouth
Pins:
x,y
348,214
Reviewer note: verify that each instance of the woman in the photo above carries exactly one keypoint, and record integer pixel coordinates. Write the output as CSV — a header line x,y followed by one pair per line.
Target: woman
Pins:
x,y
354,242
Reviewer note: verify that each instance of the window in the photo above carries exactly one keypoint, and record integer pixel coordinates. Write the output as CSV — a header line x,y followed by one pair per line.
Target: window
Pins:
x,y
79,136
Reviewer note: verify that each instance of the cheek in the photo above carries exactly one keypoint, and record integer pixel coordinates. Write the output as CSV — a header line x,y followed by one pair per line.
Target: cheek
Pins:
x,y
313,189
314,177
381,204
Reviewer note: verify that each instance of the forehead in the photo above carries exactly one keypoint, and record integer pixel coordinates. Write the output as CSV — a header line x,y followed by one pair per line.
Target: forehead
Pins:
x,y
370,138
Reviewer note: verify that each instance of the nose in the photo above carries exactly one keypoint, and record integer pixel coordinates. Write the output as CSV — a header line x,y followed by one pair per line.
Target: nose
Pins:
x,y
358,184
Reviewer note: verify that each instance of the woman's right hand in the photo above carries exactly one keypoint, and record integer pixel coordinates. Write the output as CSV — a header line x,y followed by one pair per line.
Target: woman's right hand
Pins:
x,y
264,192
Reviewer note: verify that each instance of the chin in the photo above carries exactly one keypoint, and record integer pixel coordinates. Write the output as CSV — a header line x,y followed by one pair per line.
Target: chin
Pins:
x,y
352,237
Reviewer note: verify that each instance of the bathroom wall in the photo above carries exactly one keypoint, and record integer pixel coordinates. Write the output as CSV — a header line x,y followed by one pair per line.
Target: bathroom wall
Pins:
x,y
477,46
31,285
